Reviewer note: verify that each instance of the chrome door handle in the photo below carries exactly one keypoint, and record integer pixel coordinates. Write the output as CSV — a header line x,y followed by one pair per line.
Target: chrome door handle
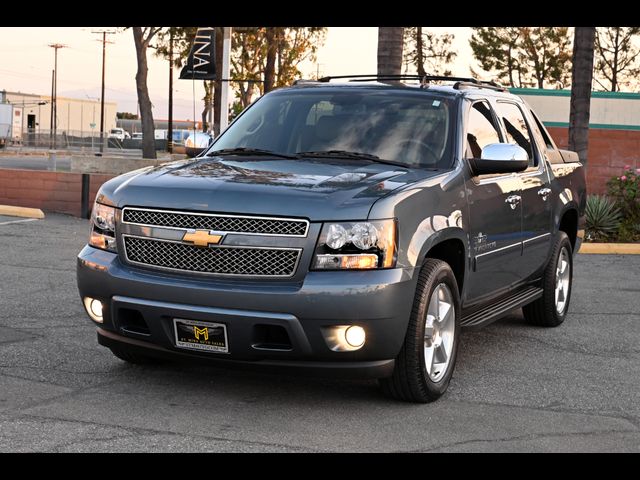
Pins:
x,y
544,193
513,201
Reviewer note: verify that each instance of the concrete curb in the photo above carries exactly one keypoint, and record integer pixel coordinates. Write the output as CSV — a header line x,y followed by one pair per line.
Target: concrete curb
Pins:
x,y
13,211
611,248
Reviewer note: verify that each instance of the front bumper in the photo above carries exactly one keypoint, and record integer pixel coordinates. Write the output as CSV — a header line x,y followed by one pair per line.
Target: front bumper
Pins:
x,y
379,301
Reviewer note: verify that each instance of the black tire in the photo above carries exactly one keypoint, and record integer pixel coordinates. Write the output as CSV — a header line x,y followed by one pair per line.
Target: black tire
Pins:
x,y
129,356
543,312
410,381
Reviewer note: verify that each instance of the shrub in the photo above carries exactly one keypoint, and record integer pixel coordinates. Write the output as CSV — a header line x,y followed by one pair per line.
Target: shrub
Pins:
x,y
625,190
603,218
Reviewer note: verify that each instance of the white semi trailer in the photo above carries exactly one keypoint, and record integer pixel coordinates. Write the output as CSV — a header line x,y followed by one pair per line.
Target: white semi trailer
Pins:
x,y
6,122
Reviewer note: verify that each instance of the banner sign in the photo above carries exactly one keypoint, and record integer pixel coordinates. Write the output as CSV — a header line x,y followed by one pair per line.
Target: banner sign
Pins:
x,y
201,63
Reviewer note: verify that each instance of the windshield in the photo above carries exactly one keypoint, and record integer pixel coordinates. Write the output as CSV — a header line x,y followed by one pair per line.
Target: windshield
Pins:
x,y
411,128
115,131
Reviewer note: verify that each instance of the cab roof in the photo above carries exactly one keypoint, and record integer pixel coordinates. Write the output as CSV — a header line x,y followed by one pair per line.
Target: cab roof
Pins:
x,y
456,86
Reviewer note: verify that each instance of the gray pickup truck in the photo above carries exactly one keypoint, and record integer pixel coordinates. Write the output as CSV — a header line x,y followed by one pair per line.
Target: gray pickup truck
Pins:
x,y
347,227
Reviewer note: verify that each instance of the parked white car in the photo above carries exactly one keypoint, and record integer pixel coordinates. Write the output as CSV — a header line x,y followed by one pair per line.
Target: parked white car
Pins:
x,y
118,133
197,142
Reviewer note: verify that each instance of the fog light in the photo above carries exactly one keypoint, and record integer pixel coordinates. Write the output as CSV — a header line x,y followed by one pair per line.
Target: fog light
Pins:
x,y
355,336
94,308
344,338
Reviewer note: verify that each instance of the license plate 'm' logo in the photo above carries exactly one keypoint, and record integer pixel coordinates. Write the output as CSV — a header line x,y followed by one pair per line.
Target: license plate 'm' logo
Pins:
x,y
201,331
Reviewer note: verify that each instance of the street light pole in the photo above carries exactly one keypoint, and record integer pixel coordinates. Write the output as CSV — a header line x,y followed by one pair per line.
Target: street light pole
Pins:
x,y
224,94
53,74
104,55
54,100
170,129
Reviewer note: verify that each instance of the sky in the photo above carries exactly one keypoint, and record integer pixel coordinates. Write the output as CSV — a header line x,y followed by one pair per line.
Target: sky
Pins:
x,y
26,63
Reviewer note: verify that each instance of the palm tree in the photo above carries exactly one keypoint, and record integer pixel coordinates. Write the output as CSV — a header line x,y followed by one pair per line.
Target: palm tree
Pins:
x,y
581,78
390,50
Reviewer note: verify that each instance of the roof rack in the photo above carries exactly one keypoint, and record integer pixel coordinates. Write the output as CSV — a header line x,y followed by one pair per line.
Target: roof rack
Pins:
x,y
461,82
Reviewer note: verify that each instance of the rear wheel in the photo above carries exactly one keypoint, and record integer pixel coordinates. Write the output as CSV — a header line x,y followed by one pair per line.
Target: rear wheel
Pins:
x,y
551,309
426,361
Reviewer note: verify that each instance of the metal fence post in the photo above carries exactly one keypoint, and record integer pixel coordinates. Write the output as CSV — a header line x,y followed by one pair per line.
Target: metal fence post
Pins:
x,y
84,201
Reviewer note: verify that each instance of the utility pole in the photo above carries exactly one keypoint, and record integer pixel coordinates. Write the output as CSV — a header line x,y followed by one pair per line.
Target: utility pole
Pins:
x,y
104,52
54,100
53,74
170,129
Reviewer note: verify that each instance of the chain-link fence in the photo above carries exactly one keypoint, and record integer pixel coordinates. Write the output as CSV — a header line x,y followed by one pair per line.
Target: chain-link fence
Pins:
x,y
77,140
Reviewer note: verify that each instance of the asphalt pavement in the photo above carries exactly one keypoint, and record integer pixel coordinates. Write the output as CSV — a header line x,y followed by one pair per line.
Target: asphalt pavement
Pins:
x,y
515,388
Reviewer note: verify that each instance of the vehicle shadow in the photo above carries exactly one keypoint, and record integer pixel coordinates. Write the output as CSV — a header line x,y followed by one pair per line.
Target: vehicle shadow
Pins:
x,y
253,384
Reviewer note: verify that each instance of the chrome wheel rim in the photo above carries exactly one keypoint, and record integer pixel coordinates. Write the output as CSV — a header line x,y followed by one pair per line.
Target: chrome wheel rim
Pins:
x,y
439,330
563,275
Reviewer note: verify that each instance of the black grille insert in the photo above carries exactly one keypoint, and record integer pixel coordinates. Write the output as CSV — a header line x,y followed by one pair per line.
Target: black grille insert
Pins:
x,y
272,262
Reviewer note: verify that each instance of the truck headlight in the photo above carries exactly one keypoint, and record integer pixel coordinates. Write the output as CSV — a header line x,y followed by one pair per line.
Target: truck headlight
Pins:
x,y
103,227
356,246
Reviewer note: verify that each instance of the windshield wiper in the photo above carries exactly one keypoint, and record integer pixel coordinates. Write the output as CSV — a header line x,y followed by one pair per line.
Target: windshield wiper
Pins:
x,y
249,151
348,154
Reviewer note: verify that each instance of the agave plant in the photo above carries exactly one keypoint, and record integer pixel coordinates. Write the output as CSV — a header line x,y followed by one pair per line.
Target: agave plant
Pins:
x,y
603,217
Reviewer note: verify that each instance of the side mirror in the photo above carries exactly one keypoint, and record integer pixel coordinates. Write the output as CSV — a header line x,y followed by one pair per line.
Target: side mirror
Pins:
x,y
500,158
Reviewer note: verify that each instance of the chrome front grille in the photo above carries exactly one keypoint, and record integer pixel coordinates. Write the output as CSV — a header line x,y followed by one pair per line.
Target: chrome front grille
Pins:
x,y
255,261
218,222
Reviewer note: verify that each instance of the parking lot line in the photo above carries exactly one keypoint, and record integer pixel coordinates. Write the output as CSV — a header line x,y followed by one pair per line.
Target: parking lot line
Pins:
x,y
19,221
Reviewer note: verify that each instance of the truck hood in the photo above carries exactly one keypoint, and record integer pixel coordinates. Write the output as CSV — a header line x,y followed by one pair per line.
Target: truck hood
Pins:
x,y
317,189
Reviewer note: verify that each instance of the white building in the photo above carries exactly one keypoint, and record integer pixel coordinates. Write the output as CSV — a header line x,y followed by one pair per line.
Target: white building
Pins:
x,y
76,116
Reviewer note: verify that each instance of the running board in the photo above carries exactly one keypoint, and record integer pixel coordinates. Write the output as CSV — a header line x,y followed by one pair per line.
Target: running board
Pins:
x,y
495,311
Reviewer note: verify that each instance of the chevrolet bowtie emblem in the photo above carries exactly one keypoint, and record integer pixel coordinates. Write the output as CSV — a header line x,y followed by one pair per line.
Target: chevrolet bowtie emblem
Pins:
x,y
202,238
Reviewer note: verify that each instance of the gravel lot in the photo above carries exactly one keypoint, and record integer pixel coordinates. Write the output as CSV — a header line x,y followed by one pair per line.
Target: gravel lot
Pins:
x,y
516,387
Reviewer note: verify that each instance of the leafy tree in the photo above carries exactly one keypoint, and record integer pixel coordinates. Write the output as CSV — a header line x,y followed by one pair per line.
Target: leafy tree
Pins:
x,y
617,57
273,55
248,54
126,116
294,45
390,50
581,81
520,56
142,37
496,49
547,52
424,48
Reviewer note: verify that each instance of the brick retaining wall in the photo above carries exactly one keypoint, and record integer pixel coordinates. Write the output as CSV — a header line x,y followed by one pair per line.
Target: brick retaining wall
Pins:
x,y
609,152
49,191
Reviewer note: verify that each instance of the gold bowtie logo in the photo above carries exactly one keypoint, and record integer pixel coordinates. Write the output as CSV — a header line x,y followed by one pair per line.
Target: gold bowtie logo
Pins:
x,y
202,238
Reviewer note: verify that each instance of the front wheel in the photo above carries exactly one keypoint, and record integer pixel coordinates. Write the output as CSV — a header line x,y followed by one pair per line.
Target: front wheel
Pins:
x,y
426,361
551,309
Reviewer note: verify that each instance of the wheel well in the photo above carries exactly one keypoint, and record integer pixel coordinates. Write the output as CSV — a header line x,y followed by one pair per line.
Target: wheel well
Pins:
x,y
569,225
452,252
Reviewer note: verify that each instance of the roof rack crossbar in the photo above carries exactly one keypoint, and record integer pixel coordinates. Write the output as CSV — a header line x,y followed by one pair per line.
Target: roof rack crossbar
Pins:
x,y
487,85
461,82
364,78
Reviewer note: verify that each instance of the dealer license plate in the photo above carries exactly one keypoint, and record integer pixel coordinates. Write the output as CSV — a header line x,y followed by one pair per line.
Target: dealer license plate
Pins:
x,y
201,336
